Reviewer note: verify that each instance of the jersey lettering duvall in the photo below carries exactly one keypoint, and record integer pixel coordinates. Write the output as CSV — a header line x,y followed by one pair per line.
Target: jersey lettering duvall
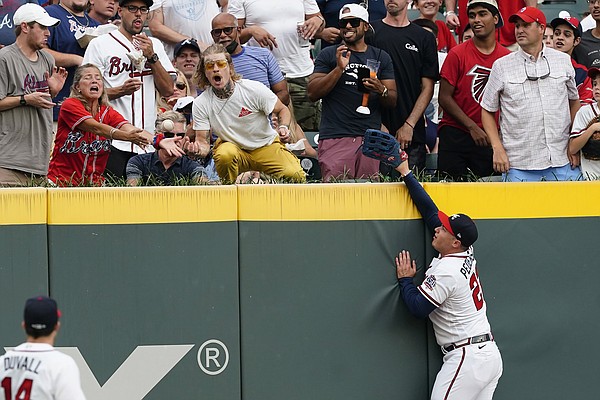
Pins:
x,y
109,53
452,285
37,371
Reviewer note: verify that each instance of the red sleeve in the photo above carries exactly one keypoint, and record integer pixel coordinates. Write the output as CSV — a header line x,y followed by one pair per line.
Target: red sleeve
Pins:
x,y
450,68
586,95
72,113
112,117
445,38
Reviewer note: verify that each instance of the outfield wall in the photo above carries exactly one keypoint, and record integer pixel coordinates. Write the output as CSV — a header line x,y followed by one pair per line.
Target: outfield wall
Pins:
x,y
271,292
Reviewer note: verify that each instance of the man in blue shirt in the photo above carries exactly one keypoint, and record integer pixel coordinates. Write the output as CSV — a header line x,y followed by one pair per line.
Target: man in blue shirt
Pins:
x,y
62,43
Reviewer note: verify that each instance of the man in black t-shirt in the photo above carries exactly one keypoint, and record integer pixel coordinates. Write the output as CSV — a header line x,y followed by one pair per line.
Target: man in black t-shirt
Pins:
x,y
348,112
414,54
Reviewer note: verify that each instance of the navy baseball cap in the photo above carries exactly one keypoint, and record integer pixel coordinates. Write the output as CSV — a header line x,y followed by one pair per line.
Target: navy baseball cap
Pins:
x,y
41,313
461,226
186,43
593,72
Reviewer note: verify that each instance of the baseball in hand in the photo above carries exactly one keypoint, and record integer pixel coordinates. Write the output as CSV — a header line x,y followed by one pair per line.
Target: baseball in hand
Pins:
x,y
168,125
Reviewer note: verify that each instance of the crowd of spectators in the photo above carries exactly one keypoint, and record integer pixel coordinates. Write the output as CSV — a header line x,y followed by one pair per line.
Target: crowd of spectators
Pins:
x,y
158,92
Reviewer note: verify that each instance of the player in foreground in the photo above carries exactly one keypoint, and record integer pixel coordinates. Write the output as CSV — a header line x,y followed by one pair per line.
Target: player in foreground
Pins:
x,y
34,369
450,294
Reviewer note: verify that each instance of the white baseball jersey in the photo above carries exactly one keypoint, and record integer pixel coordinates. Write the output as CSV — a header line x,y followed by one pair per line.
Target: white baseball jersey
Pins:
x,y
241,118
452,285
109,53
38,371
191,18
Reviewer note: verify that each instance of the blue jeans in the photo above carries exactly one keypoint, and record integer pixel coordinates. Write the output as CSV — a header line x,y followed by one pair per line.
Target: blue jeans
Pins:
x,y
564,173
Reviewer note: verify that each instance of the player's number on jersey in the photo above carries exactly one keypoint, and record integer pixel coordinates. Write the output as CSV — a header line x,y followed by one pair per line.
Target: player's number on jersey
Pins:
x,y
24,392
476,290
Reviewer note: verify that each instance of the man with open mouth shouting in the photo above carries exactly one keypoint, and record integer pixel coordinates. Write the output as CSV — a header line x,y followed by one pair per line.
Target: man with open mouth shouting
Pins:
x,y
237,110
132,65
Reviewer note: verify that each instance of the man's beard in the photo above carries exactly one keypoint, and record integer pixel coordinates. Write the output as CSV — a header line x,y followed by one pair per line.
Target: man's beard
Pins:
x,y
78,8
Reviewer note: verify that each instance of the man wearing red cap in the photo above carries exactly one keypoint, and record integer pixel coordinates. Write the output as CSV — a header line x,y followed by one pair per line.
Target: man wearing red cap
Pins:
x,y
534,90
452,297
506,35
35,369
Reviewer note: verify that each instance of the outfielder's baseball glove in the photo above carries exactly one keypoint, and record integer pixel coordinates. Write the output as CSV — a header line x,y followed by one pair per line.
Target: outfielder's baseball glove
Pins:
x,y
591,150
383,147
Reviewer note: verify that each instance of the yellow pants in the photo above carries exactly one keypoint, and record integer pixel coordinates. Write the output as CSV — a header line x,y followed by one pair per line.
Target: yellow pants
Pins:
x,y
274,160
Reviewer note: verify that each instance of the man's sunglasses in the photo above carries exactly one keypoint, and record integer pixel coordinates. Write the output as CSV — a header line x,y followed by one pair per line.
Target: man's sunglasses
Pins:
x,y
180,85
217,32
354,22
169,135
211,64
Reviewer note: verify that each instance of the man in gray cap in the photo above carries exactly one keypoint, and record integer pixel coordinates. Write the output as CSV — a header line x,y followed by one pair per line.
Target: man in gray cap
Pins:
x,y
29,80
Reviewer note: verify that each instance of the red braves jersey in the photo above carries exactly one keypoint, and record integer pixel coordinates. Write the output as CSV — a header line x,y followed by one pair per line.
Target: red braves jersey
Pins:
x,y
468,70
507,8
79,156
452,285
38,371
445,38
109,53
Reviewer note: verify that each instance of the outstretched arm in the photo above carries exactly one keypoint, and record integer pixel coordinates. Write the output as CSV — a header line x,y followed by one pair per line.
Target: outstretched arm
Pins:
x,y
424,203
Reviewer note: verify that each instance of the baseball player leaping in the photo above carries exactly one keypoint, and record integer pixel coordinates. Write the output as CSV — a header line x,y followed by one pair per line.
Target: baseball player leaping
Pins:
x,y
452,297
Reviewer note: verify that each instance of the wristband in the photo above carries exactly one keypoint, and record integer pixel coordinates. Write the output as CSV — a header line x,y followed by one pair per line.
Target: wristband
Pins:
x,y
112,131
157,139
449,13
284,126
409,124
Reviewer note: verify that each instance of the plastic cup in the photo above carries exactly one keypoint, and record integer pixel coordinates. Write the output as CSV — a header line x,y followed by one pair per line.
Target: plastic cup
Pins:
x,y
373,66
301,40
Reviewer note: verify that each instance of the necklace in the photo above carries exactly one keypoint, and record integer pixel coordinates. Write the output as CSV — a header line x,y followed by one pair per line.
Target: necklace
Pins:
x,y
224,93
87,20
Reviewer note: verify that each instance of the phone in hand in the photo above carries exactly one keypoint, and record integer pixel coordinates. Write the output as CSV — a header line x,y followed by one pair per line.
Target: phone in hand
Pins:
x,y
363,72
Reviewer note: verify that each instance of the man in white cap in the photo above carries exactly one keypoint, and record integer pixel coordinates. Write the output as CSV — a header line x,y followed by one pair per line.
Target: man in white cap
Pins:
x,y
337,80
29,80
